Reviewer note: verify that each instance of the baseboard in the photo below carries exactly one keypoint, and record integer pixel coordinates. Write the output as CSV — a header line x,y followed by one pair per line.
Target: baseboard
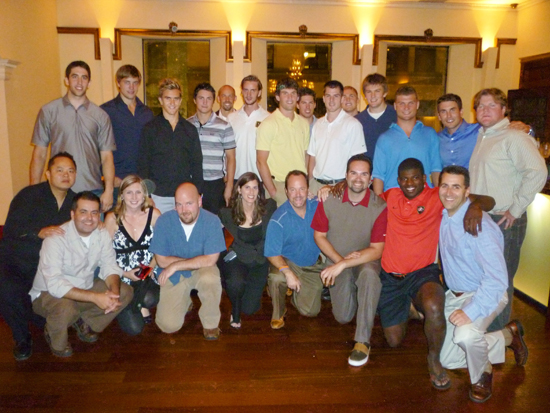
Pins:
x,y
530,301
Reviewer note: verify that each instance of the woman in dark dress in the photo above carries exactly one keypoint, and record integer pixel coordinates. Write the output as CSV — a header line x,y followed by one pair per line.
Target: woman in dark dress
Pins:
x,y
246,219
131,226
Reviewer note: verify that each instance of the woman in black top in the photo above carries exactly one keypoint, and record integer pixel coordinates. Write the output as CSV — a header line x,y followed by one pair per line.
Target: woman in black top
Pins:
x,y
246,219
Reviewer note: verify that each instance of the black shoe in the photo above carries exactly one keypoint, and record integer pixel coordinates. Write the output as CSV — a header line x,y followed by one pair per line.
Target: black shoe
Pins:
x,y
148,319
23,349
325,294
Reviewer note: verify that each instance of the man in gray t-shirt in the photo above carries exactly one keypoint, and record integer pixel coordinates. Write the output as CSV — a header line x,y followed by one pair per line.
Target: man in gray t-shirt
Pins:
x,y
75,125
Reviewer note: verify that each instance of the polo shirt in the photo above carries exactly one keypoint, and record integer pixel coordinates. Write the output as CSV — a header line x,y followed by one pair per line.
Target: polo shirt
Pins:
x,y
291,236
333,143
394,146
170,239
245,128
82,132
373,128
286,141
216,137
127,129
413,230
456,149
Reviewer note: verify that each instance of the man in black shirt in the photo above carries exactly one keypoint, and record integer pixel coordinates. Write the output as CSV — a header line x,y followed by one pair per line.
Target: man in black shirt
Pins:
x,y
35,213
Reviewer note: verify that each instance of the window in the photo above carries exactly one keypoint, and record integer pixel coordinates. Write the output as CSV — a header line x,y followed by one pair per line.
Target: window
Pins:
x,y
308,63
187,61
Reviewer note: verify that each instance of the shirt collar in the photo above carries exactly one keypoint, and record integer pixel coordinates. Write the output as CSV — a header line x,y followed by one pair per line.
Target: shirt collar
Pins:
x,y
503,124
364,202
458,215
67,102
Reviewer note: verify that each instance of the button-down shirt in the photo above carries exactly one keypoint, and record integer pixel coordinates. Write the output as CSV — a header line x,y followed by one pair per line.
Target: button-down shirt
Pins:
x,y
333,143
474,264
507,165
456,149
245,128
66,262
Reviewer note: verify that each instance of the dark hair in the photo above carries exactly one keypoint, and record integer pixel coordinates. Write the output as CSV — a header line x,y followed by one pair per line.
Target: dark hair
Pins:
x,y
286,83
375,79
305,91
450,97
498,95
236,201
127,71
457,170
334,84
85,196
406,91
252,78
204,86
410,163
295,172
78,63
61,155
359,157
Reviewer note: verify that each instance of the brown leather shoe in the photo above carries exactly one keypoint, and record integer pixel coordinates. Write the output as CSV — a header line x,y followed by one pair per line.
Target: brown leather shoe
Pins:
x,y
278,323
211,333
66,352
518,345
84,332
482,391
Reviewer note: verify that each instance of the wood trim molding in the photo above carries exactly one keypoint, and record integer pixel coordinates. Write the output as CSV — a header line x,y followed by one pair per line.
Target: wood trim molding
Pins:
x,y
435,40
534,57
158,33
303,35
96,32
500,42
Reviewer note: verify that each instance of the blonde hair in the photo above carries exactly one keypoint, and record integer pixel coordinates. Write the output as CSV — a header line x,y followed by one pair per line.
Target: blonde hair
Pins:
x,y
120,208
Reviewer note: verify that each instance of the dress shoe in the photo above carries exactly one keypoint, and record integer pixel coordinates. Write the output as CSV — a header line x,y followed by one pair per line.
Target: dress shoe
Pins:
x,y
518,346
84,331
325,294
278,323
66,352
482,391
23,349
211,333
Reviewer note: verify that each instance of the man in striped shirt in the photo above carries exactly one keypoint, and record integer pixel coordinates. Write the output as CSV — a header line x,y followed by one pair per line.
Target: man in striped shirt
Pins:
x,y
217,141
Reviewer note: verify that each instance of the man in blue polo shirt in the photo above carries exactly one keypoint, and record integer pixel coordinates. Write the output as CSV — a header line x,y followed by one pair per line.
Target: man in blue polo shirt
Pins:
x,y
187,243
128,116
291,249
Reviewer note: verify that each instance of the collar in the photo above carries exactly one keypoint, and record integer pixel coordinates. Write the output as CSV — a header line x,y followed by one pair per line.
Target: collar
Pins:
x,y
119,101
503,124
458,215
195,119
67,102
364,202
417,125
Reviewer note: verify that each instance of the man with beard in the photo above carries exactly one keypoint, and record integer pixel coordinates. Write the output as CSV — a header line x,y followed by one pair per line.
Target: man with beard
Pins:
x,y
187,243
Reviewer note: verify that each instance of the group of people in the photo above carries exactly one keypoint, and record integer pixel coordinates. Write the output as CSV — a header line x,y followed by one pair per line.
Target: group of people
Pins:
x,y
178,182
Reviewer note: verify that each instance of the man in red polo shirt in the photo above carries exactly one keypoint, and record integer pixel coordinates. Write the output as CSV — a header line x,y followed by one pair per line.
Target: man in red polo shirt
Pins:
x,y
409,272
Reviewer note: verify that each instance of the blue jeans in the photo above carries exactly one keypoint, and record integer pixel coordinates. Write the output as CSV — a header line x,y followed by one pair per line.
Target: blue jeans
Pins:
x,y
513,239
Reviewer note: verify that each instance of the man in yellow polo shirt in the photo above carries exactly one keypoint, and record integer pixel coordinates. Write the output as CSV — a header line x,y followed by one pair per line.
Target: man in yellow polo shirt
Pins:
x,y
282,141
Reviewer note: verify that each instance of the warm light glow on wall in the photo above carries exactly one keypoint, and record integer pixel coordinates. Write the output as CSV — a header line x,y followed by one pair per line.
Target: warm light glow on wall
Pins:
x,y
238,16
366,19
488,24
107,13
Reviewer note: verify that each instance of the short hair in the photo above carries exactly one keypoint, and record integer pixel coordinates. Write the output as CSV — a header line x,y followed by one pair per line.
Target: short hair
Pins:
x,y
352,88
375,79
169,84
498,95
120,208
359,157
78,63
450,97
305,91
127,71
406,91
457,170
286,83
61,155
204,86
334,84
295,172
252,78
410,163
85,196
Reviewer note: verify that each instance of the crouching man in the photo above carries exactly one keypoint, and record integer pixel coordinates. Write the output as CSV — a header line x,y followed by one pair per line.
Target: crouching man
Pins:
x,y
475,272
64,290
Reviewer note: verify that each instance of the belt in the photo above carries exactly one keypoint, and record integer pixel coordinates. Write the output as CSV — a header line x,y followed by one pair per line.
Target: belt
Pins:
x,y
329,182
397,275
456,293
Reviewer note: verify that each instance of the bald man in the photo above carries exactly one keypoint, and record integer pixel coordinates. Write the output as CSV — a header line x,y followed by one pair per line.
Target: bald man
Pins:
x,y
226,98
187,243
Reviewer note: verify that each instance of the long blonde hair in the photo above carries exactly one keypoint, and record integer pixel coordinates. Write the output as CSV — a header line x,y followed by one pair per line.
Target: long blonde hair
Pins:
x,y
120,208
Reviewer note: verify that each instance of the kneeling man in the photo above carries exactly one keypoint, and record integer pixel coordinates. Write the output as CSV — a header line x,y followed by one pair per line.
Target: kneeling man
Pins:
x,y
65,291
186,244
475,272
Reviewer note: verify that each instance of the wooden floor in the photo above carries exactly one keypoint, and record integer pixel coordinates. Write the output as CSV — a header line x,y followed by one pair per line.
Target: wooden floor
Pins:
x,y
300,368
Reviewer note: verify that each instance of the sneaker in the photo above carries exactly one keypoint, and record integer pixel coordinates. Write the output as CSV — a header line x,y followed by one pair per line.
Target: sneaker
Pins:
x,y
23,349
84,332
360,354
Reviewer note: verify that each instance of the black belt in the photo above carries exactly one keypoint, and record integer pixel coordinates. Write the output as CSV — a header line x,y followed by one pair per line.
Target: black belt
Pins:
x,y
331,182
